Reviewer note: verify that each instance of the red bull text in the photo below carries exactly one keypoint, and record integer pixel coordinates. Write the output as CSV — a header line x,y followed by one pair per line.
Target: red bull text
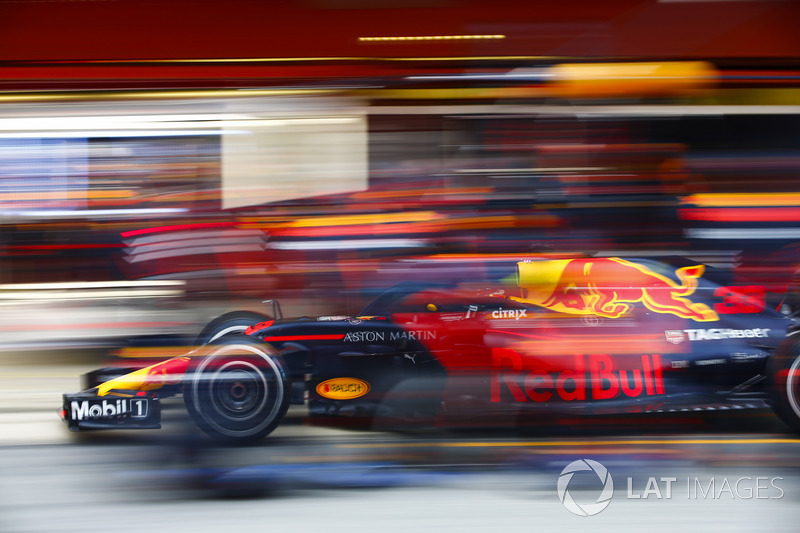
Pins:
x,y
592,377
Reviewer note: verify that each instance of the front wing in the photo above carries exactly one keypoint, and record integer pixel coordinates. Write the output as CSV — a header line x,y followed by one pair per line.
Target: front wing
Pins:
x,y
120,410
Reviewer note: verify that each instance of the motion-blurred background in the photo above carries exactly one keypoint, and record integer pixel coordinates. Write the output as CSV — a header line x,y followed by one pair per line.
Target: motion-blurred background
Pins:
x,y
163,162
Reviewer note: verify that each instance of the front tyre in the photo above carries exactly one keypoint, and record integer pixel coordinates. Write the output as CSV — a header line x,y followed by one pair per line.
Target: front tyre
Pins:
x,y
238,391
234,323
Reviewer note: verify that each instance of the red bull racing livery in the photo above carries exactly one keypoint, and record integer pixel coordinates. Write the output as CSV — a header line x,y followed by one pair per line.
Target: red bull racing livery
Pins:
x,y
575,335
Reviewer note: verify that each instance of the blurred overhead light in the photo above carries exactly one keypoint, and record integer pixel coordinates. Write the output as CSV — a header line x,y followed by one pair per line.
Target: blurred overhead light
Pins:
x,y
347,244
535,75
152,126
45,96
89,285
743,233
113,133
114,122
90,213
431,38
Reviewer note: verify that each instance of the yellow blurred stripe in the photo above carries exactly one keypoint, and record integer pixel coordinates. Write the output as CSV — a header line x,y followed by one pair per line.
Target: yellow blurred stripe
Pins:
x,y
425,192
742,199
354,220
67,195
152,352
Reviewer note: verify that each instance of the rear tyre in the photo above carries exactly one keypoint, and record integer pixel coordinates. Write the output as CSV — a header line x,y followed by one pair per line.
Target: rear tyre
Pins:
x,y
233,323
784,369
238,391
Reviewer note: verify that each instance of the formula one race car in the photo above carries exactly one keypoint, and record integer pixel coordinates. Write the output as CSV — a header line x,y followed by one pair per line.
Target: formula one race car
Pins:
x,y
577,335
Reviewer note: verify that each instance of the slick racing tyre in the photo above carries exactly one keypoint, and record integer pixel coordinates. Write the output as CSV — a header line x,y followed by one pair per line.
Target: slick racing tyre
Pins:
x,y
784,369
233,323
238,391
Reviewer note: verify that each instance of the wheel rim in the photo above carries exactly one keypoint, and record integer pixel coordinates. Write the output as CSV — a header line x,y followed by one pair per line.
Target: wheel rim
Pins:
x,y
243,397
239,389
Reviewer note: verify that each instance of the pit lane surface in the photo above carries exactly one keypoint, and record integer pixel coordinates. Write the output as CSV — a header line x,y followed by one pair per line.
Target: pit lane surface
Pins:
x,y
323,479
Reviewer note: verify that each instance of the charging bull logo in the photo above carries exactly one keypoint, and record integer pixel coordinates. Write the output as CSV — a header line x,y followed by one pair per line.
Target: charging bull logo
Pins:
x,y
608,286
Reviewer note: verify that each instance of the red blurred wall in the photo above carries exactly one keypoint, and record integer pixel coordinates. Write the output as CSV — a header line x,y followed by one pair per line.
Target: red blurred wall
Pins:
x,y
76,31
